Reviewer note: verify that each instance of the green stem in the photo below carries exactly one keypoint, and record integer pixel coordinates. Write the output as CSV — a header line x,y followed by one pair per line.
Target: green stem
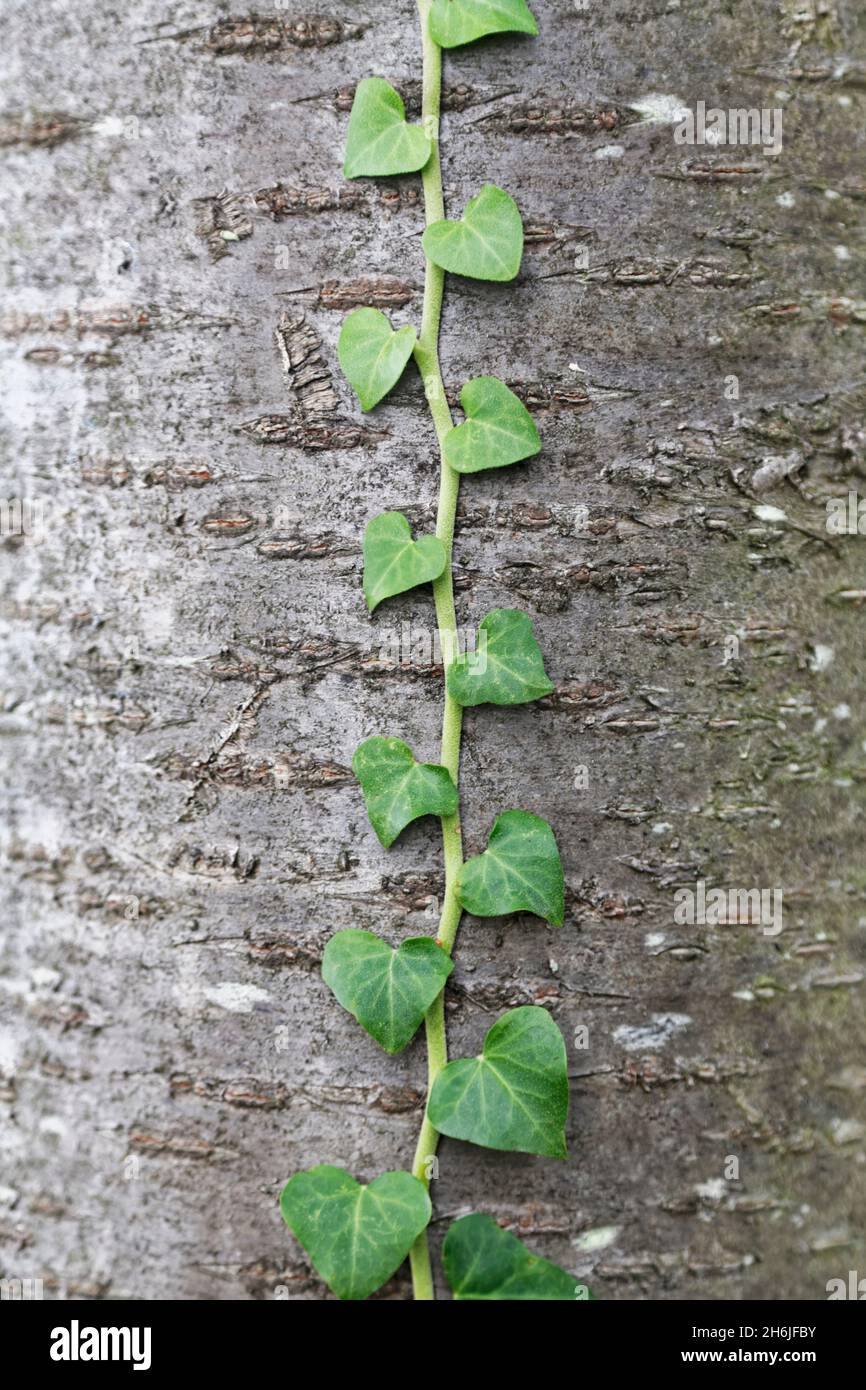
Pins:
x,y
427,359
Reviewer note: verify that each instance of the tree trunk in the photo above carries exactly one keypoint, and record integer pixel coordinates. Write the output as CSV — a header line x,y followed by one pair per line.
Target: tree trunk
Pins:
x,y
190,665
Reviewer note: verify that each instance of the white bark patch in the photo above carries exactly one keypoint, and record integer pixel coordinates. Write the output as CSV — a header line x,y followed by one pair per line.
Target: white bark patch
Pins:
x,y
653,1035
597,1239
108,126
713,1190
10,1048
237,998
659,109
764,512
44,978
821,657
847,1131
53,1124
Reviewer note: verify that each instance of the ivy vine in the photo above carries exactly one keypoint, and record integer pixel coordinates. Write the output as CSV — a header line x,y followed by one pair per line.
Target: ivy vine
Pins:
x,y
514,1095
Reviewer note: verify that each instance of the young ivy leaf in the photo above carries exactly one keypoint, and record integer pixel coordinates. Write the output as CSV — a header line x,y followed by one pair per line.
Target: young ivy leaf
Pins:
x,y
356,1236
372,354
398,790
506,667
379,140
520,871
487,242
453,22
515,1095
387,991
484,1262
393,562
498,429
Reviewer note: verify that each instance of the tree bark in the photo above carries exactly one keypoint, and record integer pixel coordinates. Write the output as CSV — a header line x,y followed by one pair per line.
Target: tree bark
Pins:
x,y
190,665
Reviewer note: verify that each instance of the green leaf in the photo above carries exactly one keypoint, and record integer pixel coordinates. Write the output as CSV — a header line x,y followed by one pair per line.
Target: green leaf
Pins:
x,y
356,1236
387,991
515,1095
498,429
393,562
379,139
453,22
505,668
520,871
484,1262
398,790
372,354
487,242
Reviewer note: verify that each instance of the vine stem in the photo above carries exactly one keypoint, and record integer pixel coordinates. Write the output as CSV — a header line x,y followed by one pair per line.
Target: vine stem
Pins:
x,y
427,359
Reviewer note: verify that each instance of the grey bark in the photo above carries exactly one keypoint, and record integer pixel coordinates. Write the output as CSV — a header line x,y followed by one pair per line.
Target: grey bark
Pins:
x,y
189,665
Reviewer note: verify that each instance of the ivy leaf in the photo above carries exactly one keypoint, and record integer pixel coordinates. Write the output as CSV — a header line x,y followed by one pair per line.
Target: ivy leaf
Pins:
x,y
505,668
520,871
380,140
487,242
356,1236
515,1095
498,429
387,991
398,790
453,22
393,562
484,1262
372,354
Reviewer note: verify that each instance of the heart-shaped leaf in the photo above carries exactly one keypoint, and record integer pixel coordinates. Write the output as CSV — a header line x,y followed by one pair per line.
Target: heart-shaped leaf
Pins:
x,y
373,354
487,242
379,139
515,1095
356,1236
498,429
484,1262
398,790
393,562
520,871
506,666
388,992
453,22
